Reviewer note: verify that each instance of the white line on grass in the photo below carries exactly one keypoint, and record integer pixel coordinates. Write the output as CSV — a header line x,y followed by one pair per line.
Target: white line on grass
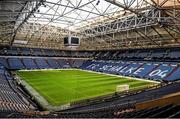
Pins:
x,y
96,73
119,76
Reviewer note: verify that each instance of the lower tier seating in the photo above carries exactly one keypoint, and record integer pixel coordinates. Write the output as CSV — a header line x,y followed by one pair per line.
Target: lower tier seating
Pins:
x,y
154,112
119,111
36,63
10,99
150,70
167,71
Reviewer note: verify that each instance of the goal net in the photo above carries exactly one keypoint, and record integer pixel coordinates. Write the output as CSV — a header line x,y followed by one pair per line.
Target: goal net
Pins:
x,y
121,88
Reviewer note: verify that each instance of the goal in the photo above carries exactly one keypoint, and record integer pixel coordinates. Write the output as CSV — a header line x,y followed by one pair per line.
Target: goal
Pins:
x,y
121,88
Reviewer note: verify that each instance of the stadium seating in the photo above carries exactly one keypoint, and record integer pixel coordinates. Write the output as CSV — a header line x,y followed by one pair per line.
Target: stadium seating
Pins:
x,y
25,51
148,70
48,52
119,111
136,54
29,63
15,63
10,98
174,54
41,63
167,71
36,52
13,51
77,63
53,63
159,111
175,74
63,63
3,61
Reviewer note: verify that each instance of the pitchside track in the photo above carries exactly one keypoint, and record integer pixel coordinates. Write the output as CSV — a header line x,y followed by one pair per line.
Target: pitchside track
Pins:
x,y
60,87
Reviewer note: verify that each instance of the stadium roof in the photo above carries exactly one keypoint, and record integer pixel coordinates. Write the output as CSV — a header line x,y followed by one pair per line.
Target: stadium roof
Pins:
x,y
35,21
73,13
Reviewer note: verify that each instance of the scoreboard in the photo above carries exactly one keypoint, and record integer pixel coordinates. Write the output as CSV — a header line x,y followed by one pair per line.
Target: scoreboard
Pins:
x,y
71,41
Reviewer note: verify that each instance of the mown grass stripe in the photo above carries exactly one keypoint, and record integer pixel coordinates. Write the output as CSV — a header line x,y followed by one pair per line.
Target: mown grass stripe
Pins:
x,y
64,86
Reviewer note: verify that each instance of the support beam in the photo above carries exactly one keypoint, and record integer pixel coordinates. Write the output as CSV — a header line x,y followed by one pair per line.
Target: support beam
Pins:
x,y
25,19
122,6
170,34
146,36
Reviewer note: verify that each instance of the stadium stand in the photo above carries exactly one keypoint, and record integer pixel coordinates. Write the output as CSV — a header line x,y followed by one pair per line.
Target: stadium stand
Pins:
x,y
77,63
162,112
53,63
3,61
36,52
136,54
167,71
25,52
15,63
89,58
10,98
29,63
48,52
41,63
140,69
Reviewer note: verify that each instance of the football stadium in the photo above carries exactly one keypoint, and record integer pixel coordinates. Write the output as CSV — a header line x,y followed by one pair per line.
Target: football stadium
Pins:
x,y
89,59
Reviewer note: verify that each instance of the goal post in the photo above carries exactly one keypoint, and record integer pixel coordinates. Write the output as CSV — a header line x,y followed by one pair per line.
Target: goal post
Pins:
x,y
121,88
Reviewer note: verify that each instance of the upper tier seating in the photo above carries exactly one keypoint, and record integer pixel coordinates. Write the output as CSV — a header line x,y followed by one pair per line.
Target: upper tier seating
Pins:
x,y
135,54
25,51
174,54
141,54
48,52
36,52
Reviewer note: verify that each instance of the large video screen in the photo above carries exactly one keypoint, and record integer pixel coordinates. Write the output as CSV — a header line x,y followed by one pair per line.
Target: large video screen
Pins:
x,y
66,40
75,40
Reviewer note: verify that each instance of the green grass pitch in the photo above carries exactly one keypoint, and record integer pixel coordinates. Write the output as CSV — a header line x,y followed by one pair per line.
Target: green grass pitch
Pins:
x,y
64,86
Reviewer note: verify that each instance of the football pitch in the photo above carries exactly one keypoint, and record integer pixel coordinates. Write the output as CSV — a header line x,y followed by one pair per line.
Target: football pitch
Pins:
x,y
60,87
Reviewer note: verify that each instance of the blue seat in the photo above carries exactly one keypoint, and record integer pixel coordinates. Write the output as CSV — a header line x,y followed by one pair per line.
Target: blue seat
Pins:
x,y
77,63
142,71
142,54
25,51
37,52
174,76
128,70
174,54
41,63
63,63
29,63
157,54
86,64
113,68
53,64
117,66
3,61
48,52
13,51
15,63
160,72
110,67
